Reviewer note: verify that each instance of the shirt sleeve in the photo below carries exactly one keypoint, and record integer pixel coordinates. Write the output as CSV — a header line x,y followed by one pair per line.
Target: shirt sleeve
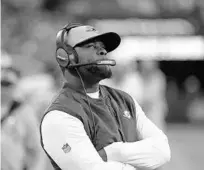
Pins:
x,y
67,143
151,151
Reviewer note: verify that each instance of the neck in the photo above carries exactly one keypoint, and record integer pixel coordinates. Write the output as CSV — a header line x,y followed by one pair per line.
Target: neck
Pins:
x,y
78,83
92,88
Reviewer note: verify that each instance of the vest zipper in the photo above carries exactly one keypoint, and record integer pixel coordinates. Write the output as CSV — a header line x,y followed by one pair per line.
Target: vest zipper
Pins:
x,y
116,119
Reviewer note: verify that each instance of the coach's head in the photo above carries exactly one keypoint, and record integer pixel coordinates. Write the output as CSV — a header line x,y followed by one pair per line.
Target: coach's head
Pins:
x,y
82,51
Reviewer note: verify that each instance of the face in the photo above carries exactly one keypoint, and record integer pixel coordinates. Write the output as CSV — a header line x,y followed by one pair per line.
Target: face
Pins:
x,y
7,88
91,52
9,79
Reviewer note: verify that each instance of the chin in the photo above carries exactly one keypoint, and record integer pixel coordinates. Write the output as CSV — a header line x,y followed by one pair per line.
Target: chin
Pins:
x,y
106,74
103,72
99,72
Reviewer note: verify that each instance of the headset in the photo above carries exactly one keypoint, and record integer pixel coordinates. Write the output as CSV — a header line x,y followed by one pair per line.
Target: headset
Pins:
x,y
67,56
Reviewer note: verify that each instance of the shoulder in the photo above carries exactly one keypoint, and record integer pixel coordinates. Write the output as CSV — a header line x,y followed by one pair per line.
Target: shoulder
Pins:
x,y
65,103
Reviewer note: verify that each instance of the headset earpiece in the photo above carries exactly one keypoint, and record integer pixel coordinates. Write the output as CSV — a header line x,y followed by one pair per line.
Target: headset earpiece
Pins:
x,y
65,54
62,57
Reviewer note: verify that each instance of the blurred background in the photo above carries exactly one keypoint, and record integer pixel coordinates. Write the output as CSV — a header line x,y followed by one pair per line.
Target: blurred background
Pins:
x,y
160,62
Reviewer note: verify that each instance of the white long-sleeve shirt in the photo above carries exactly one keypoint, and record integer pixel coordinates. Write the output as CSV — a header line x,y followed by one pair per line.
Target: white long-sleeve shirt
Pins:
x,y
61,129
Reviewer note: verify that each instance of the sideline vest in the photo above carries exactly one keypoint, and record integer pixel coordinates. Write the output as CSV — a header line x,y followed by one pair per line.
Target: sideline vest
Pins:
x,y
111,118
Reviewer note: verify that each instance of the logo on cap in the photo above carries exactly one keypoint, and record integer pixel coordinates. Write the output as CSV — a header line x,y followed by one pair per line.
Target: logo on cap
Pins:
x,y
89,28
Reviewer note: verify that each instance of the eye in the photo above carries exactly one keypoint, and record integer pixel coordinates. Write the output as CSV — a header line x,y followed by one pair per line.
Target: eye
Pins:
x,y
90,45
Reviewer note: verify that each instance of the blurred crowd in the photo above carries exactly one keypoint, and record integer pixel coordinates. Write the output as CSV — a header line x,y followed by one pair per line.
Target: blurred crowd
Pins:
x,y
30,76
23,101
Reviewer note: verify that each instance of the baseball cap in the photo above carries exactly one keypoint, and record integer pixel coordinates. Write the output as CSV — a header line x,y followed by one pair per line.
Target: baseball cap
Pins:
x,y
84,34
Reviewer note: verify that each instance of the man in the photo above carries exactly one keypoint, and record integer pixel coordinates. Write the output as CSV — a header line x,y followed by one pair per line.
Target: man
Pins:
x,y
89,126
20,147
11,157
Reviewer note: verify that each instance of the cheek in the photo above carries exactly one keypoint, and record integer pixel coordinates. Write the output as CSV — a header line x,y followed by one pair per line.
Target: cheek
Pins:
x,y
86,56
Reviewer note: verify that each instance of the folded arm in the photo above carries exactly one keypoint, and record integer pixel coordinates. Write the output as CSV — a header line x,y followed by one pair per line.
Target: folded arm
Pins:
x,y
67,143
151,152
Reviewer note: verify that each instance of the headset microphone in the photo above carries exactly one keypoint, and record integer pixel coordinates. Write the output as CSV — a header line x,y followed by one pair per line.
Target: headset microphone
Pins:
x,y
98,62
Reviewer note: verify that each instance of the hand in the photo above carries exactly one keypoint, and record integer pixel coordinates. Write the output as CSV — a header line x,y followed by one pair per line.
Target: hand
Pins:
x,y
113,152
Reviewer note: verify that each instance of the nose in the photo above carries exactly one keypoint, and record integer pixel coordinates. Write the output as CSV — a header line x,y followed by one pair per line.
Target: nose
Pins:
x,y
102,51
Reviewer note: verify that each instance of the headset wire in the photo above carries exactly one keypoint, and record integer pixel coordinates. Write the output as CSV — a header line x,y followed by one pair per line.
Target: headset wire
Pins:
x,y
82,82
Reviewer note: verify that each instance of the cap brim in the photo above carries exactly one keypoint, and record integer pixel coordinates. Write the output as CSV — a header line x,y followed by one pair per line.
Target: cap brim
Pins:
x,y
111,40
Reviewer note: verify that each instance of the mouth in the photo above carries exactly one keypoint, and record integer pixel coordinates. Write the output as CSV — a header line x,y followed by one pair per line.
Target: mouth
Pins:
x,y
106,62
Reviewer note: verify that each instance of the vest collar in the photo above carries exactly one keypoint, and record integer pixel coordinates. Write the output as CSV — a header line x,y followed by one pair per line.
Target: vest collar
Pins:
x,y
80,91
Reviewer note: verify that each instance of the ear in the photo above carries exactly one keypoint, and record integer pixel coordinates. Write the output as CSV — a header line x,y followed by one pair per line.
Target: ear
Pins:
x,y
72,58
62,57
